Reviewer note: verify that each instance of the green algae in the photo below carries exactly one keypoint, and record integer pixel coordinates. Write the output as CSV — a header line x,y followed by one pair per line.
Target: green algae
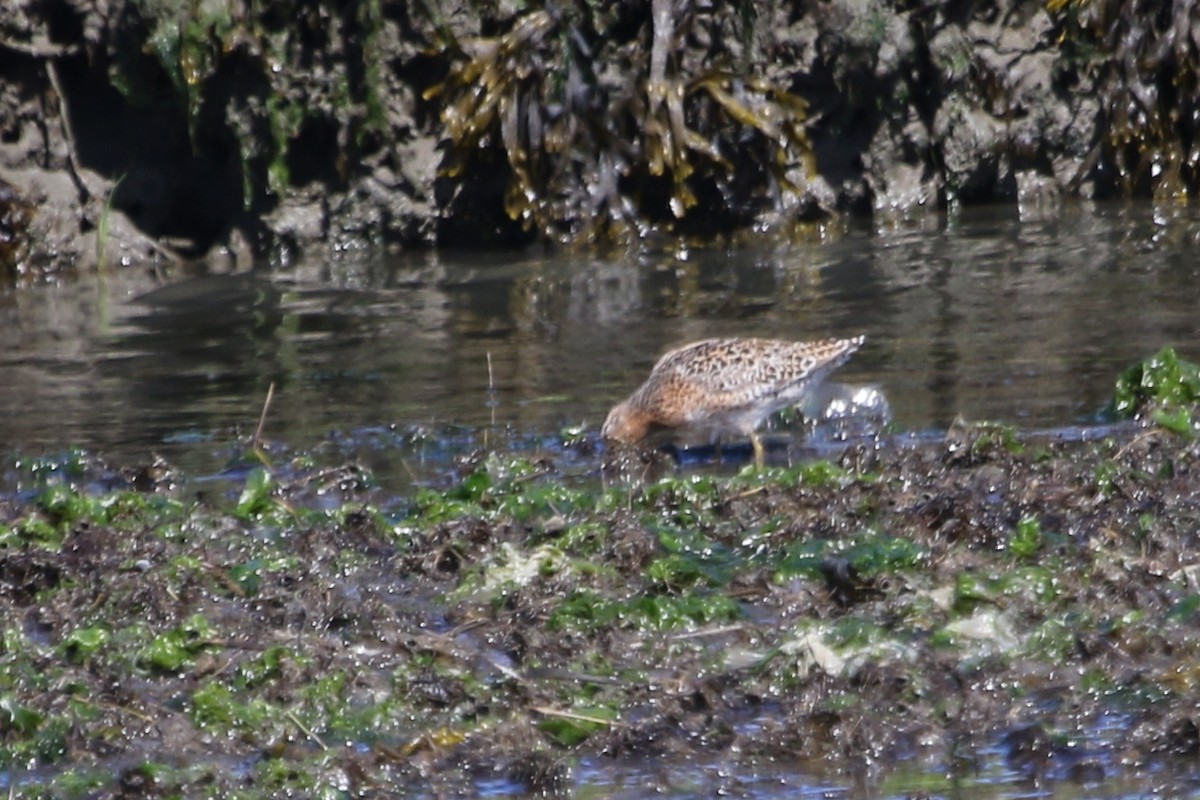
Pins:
x,y
520,616
588,611
82,643
866,552
176,648
582,721
1027,539
1165,386
256,496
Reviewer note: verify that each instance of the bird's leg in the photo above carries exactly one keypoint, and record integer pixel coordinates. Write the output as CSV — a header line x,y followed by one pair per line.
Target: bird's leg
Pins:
x,y
756,443
714,441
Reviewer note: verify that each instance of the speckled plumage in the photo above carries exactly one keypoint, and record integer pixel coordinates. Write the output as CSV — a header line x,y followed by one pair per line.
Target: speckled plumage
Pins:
x,y
726,386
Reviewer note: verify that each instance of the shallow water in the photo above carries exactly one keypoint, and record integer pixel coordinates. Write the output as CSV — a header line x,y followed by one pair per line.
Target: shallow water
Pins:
x,y
405,361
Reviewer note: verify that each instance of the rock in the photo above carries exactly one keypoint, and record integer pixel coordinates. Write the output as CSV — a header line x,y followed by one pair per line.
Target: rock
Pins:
x,y
335,132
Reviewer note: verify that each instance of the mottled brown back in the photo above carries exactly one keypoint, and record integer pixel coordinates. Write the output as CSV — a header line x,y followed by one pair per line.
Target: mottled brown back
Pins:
x,y
721,375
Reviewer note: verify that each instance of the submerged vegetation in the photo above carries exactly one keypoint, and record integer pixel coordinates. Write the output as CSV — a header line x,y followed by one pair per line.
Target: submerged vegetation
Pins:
x,y
933,601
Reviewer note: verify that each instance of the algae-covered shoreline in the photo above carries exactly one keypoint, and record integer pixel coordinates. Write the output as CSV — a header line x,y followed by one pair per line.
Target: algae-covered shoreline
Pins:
x,y
301,633
139,131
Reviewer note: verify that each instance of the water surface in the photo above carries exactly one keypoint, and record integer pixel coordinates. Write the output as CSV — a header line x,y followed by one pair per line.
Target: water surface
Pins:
x,y
414,358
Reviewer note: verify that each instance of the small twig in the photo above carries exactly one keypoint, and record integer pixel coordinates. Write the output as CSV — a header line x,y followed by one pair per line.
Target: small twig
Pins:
x,y
113,707
72,159
552,674
553,712
226,580
531,476
457,631
296,721
232,644
163,250
39,49
491,391
1136,440
679,637
1086,166
262,418
48,53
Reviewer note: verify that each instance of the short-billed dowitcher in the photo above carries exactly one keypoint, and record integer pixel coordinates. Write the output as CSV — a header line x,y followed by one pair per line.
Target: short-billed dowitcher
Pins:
x,y
726,386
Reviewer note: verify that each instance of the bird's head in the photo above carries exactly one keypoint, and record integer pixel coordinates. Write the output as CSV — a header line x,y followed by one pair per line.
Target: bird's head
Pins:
x,y
626,424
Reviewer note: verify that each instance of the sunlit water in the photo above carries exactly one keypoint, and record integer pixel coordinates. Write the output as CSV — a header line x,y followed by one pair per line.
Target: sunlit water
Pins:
x,y
406,361
403,363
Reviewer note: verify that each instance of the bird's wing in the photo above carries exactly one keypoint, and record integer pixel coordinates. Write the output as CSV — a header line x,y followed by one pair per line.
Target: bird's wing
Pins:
x,y
708,377
732,373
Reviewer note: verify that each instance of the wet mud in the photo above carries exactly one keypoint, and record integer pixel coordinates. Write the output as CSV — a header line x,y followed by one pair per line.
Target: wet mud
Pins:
x,y
293,629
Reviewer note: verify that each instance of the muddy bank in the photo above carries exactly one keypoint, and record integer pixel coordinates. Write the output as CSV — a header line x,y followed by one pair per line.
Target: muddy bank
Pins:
x,y
905,602
161,130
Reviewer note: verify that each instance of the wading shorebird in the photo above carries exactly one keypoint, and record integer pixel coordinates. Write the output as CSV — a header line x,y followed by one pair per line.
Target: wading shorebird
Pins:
x,y
726,386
